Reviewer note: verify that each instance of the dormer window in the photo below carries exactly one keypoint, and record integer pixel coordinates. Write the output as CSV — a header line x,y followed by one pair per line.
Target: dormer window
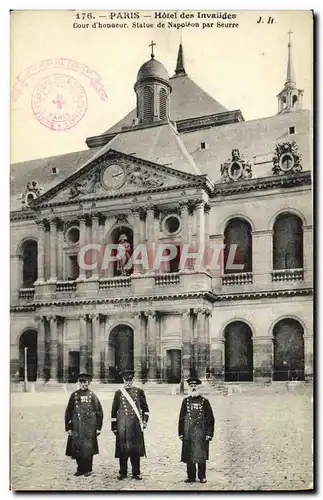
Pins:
x,y
54,170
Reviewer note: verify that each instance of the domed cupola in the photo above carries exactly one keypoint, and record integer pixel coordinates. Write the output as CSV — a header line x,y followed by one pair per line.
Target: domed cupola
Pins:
x,y
153,91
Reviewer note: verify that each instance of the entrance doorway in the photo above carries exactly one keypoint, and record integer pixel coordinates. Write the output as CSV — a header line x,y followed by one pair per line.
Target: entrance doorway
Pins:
x,y
288,350
238,352
73,366
28,339
120,352
174,363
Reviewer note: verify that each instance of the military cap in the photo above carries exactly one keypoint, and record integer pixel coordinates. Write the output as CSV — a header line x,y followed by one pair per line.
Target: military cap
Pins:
x,y
128,374
193,380
84,376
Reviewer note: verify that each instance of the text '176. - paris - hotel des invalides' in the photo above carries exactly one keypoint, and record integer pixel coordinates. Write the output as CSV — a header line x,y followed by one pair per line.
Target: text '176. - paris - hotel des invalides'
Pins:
x,y
178,170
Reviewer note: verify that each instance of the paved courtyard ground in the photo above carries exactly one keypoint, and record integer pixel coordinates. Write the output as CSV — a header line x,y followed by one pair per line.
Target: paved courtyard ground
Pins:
x,y
262,441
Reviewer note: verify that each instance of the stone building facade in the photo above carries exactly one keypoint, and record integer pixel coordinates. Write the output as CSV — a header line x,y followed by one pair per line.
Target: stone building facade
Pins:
x,y
180,168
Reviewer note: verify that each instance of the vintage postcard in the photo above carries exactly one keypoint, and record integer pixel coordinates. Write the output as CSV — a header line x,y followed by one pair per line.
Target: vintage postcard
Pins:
x,y
161,250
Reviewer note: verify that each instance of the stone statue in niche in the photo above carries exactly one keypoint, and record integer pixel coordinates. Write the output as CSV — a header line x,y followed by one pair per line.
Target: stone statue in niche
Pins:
x,y
125,255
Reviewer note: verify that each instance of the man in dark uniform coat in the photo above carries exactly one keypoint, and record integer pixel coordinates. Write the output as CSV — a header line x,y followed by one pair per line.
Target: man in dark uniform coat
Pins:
x,y
83,422
195,429
129,417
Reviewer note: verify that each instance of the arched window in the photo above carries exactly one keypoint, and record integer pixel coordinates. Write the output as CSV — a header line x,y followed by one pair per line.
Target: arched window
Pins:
x,y
294,99
162,104
29,268
288,242
238,247
288,350
283,102
148,104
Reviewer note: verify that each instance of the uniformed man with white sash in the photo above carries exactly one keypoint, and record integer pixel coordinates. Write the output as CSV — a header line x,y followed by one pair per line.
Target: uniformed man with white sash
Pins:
x,y
129,417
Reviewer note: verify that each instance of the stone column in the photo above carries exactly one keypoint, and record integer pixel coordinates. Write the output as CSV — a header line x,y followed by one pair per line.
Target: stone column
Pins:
x,y
150,237
53,347
156,237
82,222
139,346
200,233
308,254
151,339
106,355
190,231
60,255
136,237
96,240
308,357
96,347
207,340
102,272
262,357
40,348
65,351
262,260
186,344
83,343
41,252
53,249
201,343
208,253
185,233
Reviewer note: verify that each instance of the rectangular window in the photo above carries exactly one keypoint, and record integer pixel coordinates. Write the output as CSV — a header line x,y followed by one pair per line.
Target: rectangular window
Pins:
x,y
292,130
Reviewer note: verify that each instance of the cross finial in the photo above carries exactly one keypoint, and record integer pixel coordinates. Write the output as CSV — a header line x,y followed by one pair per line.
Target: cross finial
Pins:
x,y
290,38
152,44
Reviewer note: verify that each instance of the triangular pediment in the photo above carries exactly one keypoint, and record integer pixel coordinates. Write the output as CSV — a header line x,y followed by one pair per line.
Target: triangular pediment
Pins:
x,y
115,174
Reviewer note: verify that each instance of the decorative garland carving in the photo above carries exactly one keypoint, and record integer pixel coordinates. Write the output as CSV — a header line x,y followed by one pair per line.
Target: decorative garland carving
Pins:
x,y
236,168
287,159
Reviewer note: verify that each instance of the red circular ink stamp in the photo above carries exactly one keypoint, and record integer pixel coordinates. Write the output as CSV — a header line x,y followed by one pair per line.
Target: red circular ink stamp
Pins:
x,y
59,102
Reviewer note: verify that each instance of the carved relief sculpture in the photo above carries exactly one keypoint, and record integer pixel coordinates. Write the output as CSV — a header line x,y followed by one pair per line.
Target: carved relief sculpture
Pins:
x,y
85,186
236,168
31,192
287,159
143,177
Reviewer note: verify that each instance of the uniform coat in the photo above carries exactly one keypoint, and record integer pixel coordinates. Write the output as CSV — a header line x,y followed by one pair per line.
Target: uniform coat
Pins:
x,y
84,416
196,421
129,436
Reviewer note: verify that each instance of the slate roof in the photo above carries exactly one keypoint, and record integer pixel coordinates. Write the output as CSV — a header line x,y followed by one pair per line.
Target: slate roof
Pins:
x,y
41,171
255,140
158,144
187,100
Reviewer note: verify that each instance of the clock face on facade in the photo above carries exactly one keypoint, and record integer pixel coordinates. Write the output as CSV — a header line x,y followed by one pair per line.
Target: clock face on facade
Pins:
x,y
113,176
